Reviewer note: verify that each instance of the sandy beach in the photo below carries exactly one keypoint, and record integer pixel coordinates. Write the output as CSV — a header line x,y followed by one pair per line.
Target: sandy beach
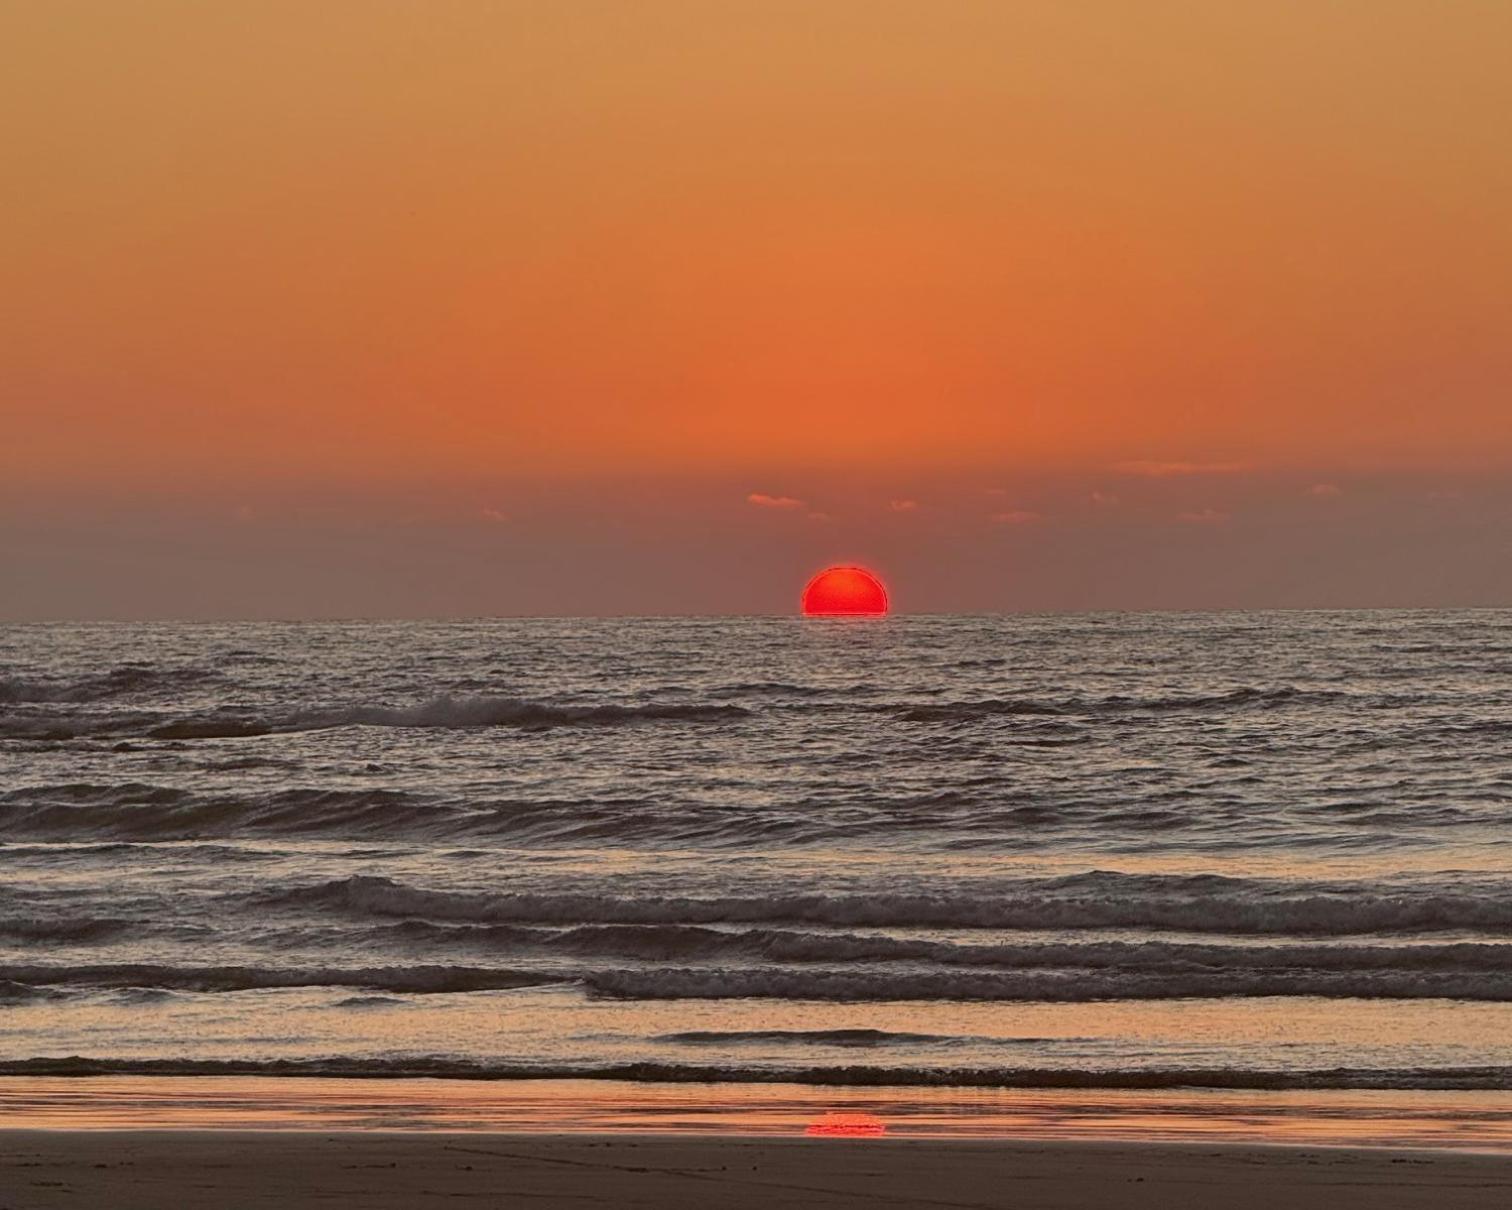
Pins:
x,y
147,1170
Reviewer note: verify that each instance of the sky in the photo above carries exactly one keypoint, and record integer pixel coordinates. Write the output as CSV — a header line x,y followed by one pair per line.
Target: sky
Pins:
x,y
368,308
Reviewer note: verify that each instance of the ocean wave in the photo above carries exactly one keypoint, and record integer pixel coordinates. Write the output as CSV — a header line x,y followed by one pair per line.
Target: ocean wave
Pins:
x,y
145,995
144,812
77,846
37,718
410,980
1041,986
135,811
860,1038
13,992
50,930
942,712
1425,1078
131,811
768,689
1102,900
469,712
790,982
126,680
438,713
660,943
1258,696
1243,697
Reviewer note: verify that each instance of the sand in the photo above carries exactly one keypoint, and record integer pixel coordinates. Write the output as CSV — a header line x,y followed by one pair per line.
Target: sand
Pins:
x,y
155,1170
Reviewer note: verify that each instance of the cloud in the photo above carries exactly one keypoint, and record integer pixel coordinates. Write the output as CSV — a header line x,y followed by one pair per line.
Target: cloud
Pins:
x,y
244,513
820,517
1104,498
1206,516
762,500
493,516
1325,491
903,506
1177,470
1016,516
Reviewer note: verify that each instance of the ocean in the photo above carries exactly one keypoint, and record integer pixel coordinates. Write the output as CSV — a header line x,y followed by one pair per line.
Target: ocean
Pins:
x,y
1111,851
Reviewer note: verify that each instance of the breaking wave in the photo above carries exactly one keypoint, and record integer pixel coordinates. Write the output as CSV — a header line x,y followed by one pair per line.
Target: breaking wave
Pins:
x,y
1102,900
1039,986
1448,1078
12,992
661,943
812,983
35,720
413,980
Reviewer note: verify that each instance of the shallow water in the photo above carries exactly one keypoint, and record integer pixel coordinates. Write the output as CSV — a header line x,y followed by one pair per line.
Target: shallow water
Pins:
x,y
1236,851
1396,1118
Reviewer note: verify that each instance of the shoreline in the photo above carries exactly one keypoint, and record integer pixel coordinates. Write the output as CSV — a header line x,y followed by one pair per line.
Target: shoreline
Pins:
x,y
1397,1118
128,1170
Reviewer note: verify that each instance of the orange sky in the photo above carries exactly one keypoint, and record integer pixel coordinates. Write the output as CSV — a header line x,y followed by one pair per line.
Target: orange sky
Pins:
x,y
358,239
255,251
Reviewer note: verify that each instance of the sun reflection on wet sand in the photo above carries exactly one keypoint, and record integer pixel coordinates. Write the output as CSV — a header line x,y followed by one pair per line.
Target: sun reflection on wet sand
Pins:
x,y
1468,1120
835,1124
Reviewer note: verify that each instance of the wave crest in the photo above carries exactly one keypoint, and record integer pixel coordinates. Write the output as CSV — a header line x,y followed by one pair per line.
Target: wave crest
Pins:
x,y
1102,900
452,713
1447,1078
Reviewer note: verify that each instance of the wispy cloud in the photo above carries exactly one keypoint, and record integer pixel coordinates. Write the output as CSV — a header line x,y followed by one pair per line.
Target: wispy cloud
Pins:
x,y
1106,499
493,516
1325,491
903,506
1205,516
762,500
1016,516
1177,470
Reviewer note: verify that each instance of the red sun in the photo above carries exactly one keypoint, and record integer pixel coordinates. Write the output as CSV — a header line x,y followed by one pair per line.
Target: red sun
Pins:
x,y
849,591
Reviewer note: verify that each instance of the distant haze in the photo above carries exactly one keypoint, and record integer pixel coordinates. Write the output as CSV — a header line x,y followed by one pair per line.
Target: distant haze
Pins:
x,y
358,309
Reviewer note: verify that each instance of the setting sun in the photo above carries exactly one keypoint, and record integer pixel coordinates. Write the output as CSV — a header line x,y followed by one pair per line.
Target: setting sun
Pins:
x,y
844,591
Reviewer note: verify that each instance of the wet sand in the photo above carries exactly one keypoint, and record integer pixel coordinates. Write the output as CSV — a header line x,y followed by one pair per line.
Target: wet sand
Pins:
x,y
224,1170
1402,1119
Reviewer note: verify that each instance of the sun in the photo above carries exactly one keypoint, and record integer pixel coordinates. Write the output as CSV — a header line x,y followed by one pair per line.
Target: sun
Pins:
x,y
844,591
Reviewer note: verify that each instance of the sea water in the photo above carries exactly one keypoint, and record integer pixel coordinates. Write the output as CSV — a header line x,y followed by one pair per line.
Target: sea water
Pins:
x,y
1225,851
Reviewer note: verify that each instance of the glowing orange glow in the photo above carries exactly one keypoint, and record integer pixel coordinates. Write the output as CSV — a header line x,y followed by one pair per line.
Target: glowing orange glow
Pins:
x,y
844,591
760,240
847,1126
